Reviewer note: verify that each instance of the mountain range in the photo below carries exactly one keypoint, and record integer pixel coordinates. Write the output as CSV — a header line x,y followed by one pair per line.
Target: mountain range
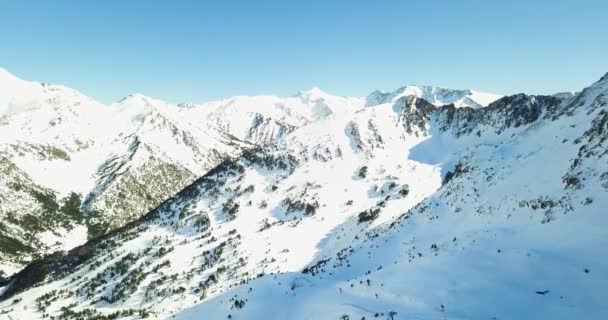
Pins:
x,y
421,203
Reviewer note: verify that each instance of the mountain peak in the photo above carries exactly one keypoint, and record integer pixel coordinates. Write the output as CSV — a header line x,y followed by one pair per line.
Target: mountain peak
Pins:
x,y
134,97
10,81
138,100
17,94
313,93
4,74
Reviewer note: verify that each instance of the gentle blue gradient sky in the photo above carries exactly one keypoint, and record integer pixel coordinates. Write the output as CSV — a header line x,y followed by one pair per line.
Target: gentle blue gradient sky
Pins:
x,y
202,50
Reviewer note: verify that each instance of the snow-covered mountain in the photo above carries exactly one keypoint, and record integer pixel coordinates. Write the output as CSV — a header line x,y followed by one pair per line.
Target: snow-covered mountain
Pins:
x,y
116,162
111,163
263,119
434,95
390,207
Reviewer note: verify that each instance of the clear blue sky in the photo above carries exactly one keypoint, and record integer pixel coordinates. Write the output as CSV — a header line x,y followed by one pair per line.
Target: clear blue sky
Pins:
x,y
202,50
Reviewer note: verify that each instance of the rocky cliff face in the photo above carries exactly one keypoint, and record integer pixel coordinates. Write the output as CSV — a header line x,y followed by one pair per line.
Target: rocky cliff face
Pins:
x,y
503,114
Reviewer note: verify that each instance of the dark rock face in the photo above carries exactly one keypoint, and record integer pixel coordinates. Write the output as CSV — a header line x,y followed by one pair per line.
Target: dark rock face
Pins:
x,y
459,170
507,112
414,114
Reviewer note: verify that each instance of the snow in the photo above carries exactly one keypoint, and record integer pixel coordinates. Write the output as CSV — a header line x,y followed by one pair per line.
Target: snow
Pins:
x,y
17,94
490,249
504,239
435,95
484,98
68,239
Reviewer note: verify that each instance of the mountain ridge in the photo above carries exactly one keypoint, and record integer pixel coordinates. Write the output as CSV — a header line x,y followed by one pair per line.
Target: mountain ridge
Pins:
x,y
69,144
404,208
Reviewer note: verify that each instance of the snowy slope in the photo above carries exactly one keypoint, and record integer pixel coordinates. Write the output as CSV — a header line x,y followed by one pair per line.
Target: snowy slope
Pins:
x,y
403,206
18,94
